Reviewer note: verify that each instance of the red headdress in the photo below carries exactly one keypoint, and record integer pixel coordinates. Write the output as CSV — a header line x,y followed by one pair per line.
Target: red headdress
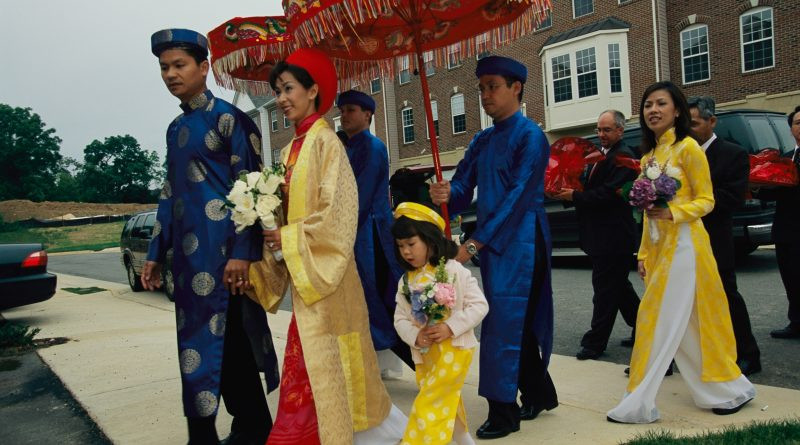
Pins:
x,y
321,69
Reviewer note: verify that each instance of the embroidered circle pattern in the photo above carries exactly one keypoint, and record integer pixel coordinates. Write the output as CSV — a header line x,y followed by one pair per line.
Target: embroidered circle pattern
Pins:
x,y
235,159
225,125
216,210
166,191
217,324
203,284
256,142
190,361
156,229
205,403
196,171
180,319
183,136
213,142
189,244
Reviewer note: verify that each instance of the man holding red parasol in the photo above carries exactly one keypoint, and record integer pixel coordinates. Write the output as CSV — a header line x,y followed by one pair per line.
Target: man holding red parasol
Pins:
x,y
507,163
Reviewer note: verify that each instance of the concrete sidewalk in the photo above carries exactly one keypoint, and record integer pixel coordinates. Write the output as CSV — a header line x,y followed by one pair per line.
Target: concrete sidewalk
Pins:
x,y
122,367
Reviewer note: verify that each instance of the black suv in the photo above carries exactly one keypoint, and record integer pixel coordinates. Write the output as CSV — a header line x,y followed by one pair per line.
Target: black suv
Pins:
x,y
752,224
134,242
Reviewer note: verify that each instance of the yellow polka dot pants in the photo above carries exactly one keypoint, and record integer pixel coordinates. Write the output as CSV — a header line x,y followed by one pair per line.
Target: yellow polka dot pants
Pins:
x,y
438,403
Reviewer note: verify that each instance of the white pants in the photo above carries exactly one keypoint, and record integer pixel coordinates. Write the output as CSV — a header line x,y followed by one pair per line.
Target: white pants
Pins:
x,y
677,335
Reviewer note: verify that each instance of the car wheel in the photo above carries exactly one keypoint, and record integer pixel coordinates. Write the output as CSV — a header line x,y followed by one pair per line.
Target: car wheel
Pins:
x,y
133,279
169,285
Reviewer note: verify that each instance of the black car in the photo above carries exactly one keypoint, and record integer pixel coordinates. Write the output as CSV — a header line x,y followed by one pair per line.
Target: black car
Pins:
x,y
23,275
134,242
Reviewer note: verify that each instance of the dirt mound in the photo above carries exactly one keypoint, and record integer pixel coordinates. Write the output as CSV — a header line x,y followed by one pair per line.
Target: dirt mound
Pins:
x,y
20,209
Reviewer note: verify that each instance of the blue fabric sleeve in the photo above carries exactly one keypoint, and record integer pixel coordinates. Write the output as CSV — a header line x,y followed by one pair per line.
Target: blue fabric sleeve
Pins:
x,y
462,186
369,173
160,243
529,163
247,244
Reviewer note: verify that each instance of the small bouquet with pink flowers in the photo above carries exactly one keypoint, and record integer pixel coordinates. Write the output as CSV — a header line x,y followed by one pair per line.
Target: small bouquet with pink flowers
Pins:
x,y
431,304
655,187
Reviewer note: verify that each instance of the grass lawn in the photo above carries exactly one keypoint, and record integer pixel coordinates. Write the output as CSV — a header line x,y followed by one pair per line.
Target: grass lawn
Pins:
x,y
63,239
776,432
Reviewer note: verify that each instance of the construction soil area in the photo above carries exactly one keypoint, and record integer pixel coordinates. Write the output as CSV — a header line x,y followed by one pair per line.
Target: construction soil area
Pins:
x,y
20,209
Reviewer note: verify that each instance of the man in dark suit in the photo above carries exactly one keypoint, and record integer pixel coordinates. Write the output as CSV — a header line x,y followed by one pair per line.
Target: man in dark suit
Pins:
x,y
786,234
608,235
730,167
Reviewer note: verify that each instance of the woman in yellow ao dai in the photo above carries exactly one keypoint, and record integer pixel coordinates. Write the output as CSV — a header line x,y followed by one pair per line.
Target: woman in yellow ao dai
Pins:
x,y
442,352
684,311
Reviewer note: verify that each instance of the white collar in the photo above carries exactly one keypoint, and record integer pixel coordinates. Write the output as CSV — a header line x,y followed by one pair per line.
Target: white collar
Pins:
x,y
709,141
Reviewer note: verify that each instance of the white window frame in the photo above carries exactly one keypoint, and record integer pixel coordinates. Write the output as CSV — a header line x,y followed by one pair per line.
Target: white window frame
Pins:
x,y
486,120
587,72
575,12
684,57
435,112
427,60
337,123
453,115
372,89
771,37
403,68
612,66
405,125
452,50
568,76
273,120
286,122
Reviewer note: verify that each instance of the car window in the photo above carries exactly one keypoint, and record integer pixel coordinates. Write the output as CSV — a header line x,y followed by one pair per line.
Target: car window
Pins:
x,y
730,128
762,132
128,225
149,222
137,226
784,133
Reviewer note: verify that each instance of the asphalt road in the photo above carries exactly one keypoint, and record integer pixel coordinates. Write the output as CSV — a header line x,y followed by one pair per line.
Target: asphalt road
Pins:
x,y
758,278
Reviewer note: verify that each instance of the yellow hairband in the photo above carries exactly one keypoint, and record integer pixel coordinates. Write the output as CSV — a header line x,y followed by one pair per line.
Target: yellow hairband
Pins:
x,y
419,212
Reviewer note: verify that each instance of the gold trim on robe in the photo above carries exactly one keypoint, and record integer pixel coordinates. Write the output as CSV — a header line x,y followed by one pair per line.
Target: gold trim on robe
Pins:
x,y
327,297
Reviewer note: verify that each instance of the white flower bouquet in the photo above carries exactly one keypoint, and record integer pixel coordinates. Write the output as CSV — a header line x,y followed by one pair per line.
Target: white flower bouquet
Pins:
x,y
256,196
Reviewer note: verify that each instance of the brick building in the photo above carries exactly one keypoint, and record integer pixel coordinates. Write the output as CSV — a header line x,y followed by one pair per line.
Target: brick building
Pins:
x,y
591,55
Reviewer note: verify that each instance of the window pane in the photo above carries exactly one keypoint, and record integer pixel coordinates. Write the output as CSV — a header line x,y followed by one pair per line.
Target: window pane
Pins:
x,y
375,85
435,115
405,73
408,125
694,48
586,67
547,22
459,114
615,71
562,82
583,7
757,40
427,58
766,135
453,56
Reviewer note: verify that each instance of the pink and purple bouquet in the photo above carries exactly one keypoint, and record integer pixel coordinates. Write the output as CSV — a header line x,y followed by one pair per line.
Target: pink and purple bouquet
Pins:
x,y
431,304
655,187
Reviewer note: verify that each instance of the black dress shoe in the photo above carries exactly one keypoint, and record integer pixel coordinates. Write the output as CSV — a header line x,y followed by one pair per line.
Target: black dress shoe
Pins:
x,y
790,331
627,342
726,411
532,411
586,354
490,430
749,366
241,438
666,374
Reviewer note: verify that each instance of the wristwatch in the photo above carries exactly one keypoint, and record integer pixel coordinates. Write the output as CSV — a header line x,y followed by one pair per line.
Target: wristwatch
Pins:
x,y
472,249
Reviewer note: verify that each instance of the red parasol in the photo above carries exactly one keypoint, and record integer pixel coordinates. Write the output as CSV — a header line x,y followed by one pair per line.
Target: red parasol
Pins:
x,y
366,37
244,50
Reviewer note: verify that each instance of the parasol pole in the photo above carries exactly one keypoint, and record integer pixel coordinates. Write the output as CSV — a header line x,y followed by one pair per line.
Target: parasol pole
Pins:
x,y
437,166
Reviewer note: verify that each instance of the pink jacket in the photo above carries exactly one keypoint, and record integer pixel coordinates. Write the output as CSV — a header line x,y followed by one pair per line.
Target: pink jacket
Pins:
x,y
470,308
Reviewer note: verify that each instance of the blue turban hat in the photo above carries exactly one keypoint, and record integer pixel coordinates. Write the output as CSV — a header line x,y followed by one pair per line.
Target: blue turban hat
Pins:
x,y
171,38
502,66
353,97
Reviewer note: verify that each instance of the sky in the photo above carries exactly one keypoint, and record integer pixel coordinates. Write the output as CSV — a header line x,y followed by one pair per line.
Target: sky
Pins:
x,y
85,66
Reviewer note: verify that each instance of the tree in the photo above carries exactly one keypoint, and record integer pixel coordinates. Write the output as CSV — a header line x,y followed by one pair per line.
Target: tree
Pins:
x,y
29,155
67,187
118,170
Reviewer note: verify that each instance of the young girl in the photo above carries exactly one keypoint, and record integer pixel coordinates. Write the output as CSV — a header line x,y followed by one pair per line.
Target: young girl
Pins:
x,y
442,350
